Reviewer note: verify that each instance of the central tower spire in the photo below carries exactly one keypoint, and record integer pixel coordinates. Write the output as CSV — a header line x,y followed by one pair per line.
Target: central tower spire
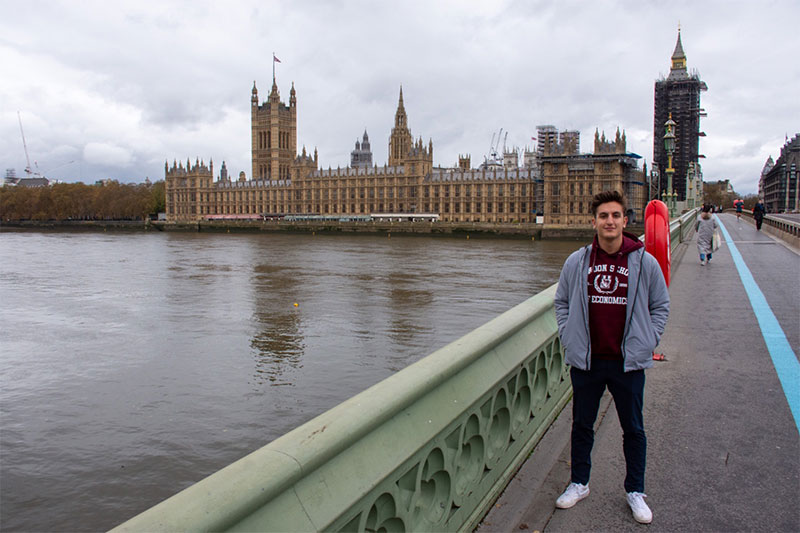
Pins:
x,y
400,139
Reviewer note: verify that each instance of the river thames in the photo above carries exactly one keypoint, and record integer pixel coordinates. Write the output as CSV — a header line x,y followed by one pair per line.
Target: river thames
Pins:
x,y
133,365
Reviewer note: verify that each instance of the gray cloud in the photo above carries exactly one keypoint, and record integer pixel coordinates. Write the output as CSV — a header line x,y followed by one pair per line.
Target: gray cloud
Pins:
x,y
123,86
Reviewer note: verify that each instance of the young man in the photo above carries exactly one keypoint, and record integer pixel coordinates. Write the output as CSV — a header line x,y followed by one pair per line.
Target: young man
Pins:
x,y
611,307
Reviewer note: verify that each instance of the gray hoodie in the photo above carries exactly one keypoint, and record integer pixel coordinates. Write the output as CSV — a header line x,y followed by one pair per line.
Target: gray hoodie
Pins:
x,y
646,314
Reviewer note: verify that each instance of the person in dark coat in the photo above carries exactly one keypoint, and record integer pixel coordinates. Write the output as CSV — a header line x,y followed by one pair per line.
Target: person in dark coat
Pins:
x,y
758,214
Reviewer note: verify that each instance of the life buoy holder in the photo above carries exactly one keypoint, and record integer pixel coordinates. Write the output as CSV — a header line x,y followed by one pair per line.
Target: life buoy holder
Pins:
x,y
656,235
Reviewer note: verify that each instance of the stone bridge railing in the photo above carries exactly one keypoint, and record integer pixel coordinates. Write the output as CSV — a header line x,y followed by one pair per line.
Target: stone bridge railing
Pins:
x,y
778,226
428,449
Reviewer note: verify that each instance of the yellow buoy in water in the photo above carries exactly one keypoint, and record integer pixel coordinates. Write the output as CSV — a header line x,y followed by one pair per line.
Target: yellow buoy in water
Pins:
x,y
296,304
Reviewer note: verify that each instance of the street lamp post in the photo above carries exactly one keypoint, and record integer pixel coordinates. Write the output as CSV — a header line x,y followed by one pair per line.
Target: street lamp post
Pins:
x,y
669,146
655,180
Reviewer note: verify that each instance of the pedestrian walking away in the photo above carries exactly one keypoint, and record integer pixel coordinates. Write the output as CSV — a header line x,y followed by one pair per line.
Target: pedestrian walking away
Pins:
x,y
758,214
738,204
705,228
611,307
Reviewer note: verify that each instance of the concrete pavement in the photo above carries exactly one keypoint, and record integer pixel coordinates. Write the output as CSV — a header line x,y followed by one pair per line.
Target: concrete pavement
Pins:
x,y
723,446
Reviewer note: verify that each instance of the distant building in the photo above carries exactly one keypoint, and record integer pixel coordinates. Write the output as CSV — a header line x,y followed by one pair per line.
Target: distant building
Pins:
x,y
781,188
678,94
764,171
546,135
285,183
361,157
11,178
571,179
41,181
407,184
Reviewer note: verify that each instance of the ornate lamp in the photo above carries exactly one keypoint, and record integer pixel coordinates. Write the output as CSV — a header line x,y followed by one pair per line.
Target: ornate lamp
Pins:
x,y
669,146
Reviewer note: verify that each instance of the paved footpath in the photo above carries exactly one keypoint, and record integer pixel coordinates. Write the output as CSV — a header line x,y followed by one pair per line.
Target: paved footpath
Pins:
x,y
723,444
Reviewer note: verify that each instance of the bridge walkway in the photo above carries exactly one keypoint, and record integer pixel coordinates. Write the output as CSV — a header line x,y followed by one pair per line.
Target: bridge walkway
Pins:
x,y
723,443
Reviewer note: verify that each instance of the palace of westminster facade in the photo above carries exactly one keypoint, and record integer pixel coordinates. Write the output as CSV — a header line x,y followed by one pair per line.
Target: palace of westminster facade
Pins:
x,y
555,182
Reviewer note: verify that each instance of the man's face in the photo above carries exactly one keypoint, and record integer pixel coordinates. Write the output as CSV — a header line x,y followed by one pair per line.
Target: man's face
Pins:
x,y
609,221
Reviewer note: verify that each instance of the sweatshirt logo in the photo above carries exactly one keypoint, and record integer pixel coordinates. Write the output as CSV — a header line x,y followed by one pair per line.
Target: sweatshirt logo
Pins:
x,y
604,284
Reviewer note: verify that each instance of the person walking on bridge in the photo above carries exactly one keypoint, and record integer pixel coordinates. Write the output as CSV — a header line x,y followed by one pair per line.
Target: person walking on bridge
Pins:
x,y
611,306
758,214
705,228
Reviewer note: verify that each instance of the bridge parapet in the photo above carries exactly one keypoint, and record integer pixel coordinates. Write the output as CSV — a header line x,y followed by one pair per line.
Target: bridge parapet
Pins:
x,y
777,226
429,448
682,228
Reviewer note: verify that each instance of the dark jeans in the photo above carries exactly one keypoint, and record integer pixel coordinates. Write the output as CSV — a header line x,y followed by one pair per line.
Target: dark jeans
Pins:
x,y
627,389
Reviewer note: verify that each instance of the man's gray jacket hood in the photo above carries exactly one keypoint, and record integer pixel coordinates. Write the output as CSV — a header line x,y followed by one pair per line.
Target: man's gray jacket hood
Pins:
x,y
647,310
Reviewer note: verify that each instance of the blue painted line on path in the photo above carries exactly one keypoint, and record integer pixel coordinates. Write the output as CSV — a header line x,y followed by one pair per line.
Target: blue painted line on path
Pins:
x,y
783,357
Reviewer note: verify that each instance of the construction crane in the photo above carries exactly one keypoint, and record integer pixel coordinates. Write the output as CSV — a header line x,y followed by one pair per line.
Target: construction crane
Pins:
x,y
495,145
28,169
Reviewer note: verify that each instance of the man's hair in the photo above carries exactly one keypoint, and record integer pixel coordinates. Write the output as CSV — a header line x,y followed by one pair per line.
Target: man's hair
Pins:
x,y
609,196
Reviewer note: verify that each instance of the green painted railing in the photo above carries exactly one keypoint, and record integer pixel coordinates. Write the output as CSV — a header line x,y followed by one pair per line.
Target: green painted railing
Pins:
x,y
681,229
428,449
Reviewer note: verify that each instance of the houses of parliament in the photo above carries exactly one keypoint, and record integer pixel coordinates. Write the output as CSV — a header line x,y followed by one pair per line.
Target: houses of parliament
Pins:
x,y
553,185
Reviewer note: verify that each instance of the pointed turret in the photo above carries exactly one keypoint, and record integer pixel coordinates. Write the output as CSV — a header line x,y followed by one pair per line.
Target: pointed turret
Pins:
x,y
274,95
678,69
678,54
292,97
400,118
400,141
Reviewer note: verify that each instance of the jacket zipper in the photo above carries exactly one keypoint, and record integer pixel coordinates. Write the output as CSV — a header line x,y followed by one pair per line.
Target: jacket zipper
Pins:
x,y
633,308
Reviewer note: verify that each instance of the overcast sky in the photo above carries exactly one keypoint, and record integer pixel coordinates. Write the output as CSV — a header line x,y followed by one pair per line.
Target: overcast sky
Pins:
x,y
113,89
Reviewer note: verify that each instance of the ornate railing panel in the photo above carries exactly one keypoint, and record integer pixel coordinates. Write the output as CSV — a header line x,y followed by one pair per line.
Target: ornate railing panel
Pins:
x,y
428,449
681,229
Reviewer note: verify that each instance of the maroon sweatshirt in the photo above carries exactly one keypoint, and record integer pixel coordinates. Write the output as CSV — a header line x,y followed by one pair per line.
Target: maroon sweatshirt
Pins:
x,y
608,297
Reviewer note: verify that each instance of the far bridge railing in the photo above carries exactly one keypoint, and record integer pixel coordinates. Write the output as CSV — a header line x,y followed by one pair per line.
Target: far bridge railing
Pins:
x,y
782,228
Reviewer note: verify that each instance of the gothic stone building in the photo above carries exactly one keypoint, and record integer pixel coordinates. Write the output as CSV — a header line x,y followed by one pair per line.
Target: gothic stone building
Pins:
x,y
572,178
284,183
781,181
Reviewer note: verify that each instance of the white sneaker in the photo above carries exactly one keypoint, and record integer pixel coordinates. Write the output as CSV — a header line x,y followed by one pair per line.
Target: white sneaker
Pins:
x,y
641,512
574,493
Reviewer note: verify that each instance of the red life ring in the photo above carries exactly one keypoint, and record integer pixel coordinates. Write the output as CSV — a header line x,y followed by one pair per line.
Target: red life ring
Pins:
x,y
656,235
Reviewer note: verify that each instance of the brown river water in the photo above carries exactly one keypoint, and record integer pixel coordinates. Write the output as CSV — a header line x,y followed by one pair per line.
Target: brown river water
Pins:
x,y
133,365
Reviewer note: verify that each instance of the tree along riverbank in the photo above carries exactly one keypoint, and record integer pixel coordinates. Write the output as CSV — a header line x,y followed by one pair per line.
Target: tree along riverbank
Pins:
x,y
446,229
